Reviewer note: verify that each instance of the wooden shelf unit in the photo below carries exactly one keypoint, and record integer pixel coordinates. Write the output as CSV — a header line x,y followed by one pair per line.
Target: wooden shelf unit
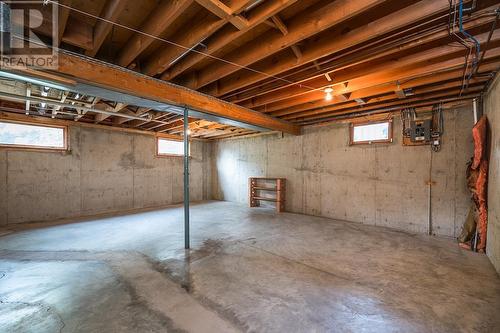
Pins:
x,y
256,186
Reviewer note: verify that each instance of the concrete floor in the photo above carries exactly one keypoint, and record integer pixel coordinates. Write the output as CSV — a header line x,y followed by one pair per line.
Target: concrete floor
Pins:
x,y
249,270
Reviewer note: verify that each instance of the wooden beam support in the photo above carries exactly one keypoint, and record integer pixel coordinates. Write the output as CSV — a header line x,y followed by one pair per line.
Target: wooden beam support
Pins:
x,y
296,50
361,101
337,63
302,27
101,117
110,77
372,114
326,45
157,22
227,35
280,25
363,96
92,104
63,13
237,6
391,99
379,72
175,124
224,12
111,12
138,113
434,74
165,57
79,34
414,102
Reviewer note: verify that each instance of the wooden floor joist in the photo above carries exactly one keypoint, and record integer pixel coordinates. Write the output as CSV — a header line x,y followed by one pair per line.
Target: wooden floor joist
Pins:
x,y
269,64
110,77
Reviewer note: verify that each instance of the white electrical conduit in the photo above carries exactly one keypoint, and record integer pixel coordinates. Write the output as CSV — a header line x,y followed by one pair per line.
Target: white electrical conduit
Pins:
x,y
78,107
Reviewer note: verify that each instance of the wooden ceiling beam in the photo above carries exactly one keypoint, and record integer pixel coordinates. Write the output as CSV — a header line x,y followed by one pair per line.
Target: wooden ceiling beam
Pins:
x,y
138,113
237,6
110,77
391,97
227,35
93,101
207,130
365,76
199,123
156,23
316,99
63,13
165,57
301,103
79,33
328,44
280,25
297,52
111,12
223,131
175,124
363,96
101,117
363,115
163,116
337,62
232,133
398,104
302,27
224,12
389,102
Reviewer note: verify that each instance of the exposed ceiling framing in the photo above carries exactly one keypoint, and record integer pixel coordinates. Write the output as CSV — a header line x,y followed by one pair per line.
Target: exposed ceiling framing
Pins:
x,y
276,57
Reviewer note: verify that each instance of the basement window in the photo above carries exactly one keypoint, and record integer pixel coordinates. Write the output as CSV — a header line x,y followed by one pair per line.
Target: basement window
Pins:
x,y
32,136
373,132
168,147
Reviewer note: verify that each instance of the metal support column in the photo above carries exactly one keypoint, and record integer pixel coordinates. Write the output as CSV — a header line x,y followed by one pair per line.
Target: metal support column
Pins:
x,y
186,179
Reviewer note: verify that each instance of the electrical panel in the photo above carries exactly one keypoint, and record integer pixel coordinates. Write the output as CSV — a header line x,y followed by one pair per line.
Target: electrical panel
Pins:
x,y
426,128
421,130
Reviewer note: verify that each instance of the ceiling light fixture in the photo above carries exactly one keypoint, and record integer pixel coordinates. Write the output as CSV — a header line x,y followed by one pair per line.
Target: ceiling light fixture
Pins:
x,y
328,94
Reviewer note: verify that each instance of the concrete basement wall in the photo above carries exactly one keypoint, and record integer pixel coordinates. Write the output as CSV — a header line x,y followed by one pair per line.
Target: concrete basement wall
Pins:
x,y
383,184
492,110
106,171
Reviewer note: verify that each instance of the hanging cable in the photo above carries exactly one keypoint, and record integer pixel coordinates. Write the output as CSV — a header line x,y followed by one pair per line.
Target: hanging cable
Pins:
x,y
176,44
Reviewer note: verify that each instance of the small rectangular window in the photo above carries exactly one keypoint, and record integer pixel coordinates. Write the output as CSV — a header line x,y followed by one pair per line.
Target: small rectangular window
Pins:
x,y
33,136
166,147
369,133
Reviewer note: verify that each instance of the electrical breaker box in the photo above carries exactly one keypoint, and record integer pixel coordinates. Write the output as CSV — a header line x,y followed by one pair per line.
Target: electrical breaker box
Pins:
x,y
420,130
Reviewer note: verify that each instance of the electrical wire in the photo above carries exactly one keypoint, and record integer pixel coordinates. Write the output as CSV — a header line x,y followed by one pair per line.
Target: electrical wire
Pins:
x,y
290,82
176,44
468,41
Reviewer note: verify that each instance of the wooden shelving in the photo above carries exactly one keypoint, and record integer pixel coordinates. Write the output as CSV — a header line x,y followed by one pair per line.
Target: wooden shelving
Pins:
x,y
257,185
270,189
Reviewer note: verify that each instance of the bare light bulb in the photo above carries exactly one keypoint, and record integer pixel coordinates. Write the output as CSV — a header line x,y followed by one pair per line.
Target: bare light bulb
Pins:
x,y
328,94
